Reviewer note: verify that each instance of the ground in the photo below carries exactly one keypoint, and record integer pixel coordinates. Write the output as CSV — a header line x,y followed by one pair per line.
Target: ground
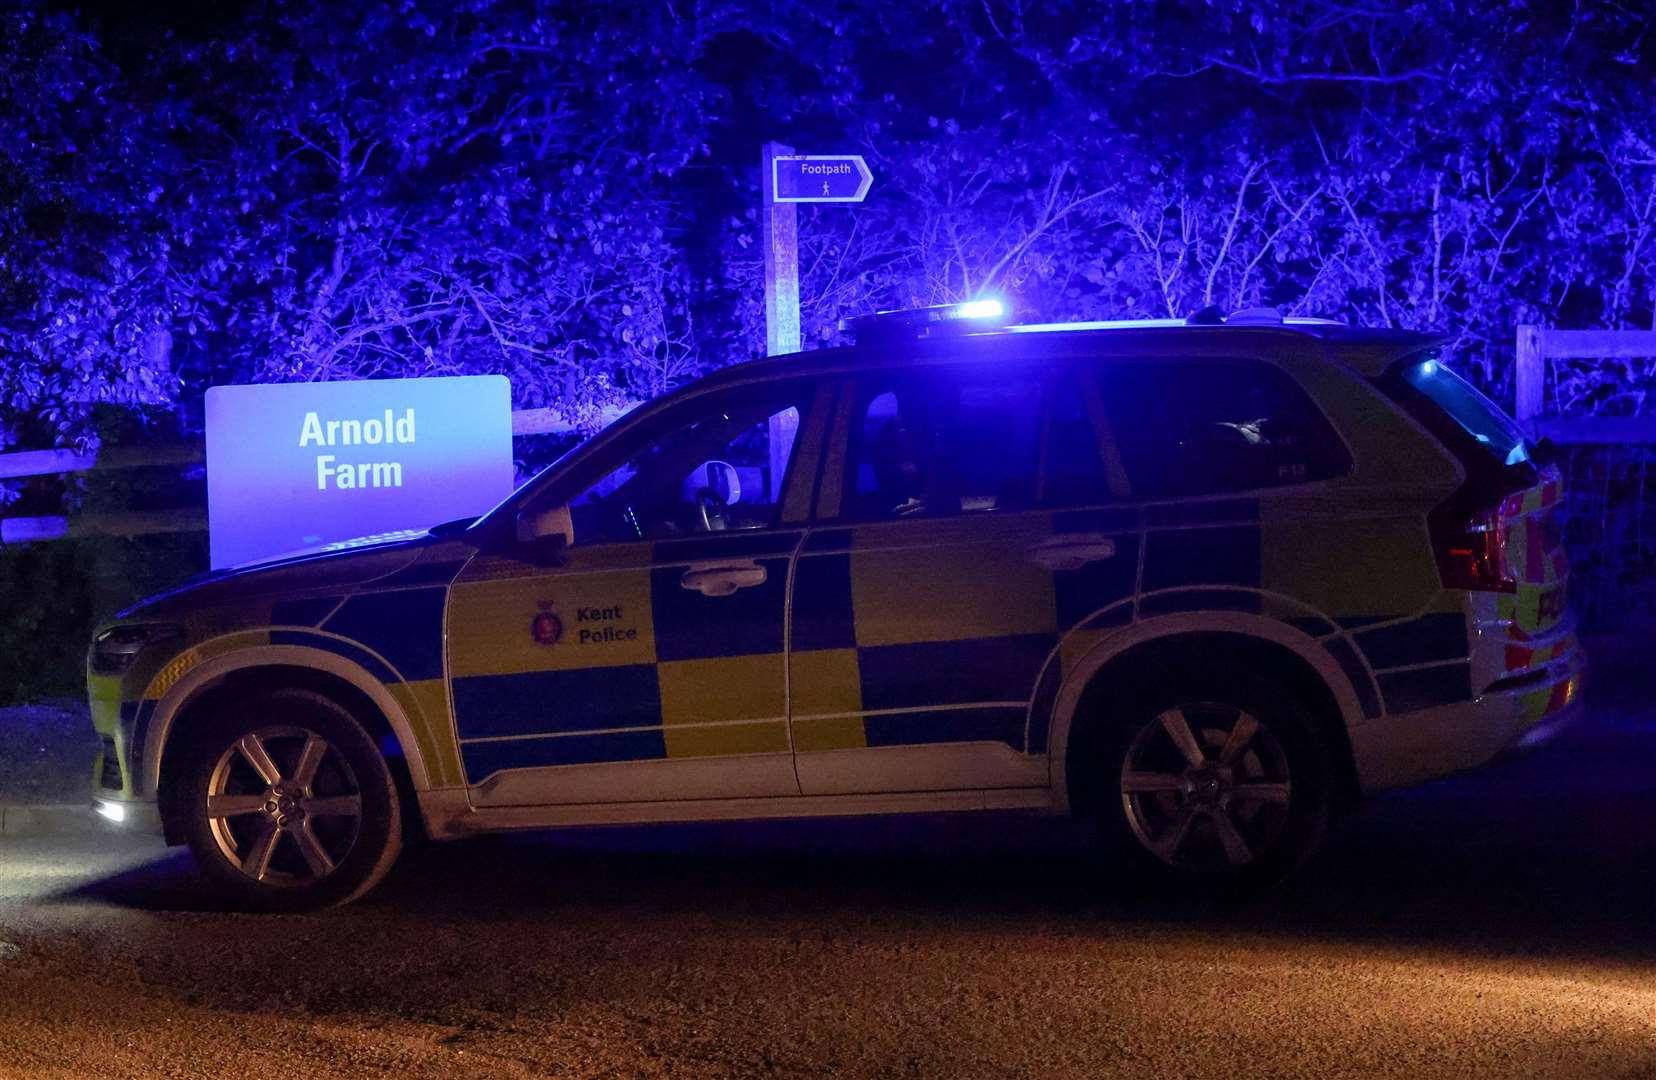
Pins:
x,y
46,754
1500,924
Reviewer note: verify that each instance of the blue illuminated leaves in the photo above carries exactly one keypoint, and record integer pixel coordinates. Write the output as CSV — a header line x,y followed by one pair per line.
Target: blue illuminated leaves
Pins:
x,y
568,195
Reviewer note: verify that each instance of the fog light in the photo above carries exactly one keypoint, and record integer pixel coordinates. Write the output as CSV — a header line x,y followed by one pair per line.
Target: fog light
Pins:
x,y
113,811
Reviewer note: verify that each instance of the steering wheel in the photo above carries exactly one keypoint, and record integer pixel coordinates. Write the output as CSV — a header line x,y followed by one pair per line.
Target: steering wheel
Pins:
x,y
712,508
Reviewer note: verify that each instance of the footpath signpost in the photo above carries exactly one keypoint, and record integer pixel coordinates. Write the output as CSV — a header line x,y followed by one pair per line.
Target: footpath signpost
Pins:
x,y
820,177
781,240
788,178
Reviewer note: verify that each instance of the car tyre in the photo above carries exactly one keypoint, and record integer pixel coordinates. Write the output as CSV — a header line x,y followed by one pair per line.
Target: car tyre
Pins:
x,y
288,805
1211,783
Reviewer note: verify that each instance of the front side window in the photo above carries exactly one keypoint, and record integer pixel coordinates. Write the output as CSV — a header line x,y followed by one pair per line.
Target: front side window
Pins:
x,y
1208,427
965,442
721,470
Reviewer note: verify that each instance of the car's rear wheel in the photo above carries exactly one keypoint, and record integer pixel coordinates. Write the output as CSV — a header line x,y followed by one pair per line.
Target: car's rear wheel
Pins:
x,y
289,805
1213,781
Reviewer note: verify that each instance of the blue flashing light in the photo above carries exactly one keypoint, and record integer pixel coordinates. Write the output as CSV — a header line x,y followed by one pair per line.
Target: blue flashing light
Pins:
x,y
981,309
963,318
1096,324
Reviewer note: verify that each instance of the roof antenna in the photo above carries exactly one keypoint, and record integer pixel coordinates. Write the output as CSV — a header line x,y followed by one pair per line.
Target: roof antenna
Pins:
x,y
1212,315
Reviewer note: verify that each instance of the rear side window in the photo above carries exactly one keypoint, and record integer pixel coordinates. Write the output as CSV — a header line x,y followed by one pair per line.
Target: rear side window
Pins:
x,y
966,442
1207,427
1483,421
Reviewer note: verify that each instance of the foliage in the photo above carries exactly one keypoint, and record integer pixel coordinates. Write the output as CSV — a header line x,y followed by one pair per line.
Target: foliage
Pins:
x,y
567,194
1609,523
85,281
1465,166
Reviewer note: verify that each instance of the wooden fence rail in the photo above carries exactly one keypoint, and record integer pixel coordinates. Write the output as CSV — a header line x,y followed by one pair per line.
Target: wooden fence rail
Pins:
x,y
26,463
1537,345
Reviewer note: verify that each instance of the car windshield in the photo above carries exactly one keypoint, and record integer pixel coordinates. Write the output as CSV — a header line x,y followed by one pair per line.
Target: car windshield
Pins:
x,y
1481,418
510,503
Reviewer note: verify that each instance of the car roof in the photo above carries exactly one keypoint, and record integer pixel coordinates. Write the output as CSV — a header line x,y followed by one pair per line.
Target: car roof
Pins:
x,y
1369,351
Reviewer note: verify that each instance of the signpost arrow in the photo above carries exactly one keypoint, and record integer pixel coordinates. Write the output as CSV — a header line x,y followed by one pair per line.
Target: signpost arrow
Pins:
x,y
819,178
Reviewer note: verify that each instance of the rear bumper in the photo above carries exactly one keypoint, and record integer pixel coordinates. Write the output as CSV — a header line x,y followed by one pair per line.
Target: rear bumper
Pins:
x,y
1409,748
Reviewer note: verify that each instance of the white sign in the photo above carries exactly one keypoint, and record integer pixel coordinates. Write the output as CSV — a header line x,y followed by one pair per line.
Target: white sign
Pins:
x,y
300,465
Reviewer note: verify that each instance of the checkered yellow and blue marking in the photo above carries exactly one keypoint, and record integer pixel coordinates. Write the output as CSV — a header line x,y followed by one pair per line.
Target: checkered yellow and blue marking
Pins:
x,y
904,633
915,633
931,631
394,633
644,670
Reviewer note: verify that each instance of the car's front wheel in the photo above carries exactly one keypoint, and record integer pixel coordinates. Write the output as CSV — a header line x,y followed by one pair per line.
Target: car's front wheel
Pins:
x,y
288,804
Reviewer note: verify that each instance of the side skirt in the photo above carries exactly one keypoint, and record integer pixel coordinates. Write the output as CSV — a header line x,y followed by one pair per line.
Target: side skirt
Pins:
x,y
450,815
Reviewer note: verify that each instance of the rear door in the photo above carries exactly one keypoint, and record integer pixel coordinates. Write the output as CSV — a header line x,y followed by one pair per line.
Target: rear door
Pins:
x,y
933,592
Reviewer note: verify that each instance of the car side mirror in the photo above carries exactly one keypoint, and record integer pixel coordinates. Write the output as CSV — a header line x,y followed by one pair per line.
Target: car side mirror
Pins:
x,y
545,534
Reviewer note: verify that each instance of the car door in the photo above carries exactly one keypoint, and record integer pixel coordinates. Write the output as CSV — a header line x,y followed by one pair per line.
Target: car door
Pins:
x,y
648,662
943,570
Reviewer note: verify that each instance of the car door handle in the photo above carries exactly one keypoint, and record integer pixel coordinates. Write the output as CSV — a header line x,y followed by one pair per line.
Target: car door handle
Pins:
x,y
1071,552
722,579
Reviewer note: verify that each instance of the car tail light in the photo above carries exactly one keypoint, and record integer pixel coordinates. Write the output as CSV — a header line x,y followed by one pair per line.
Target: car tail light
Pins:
x,y
1471,552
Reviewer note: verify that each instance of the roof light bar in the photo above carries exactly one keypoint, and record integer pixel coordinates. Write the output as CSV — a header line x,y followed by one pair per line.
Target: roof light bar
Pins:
x,y
924,322
980,309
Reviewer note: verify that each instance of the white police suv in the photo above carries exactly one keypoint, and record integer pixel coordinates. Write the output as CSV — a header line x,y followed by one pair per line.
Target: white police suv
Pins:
x,y
1203,582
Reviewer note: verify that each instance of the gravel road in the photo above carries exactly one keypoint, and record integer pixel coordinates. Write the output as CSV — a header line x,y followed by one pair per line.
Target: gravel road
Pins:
x,y
1500,924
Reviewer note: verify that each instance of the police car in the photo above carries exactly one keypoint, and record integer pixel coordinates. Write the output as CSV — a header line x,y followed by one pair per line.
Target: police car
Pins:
x,y
1201,582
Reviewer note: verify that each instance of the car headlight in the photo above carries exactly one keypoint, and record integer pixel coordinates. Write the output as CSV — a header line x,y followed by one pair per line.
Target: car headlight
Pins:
x,y
114,649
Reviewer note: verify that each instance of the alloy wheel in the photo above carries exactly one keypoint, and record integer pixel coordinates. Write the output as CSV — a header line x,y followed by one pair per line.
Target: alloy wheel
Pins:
x,y
1206,787
284,806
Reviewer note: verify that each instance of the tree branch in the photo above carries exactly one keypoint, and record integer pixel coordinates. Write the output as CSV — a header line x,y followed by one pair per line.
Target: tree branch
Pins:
x,y
1230,232
1264,77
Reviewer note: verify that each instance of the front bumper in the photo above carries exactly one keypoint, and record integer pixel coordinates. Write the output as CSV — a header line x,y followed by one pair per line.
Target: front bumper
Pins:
x,y
1403,749
129,815
114,797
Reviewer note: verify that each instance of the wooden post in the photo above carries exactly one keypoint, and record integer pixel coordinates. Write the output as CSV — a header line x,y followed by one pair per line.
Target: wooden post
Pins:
x,y
1530,377
781,227
781,242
